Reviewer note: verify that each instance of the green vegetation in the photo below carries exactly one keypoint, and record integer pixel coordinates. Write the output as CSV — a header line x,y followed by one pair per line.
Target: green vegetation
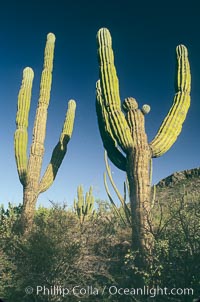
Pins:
x,y
62,251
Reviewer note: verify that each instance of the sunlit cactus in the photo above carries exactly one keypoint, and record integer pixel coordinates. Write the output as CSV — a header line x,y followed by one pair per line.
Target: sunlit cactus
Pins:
x,y
29,169
124,136
84,206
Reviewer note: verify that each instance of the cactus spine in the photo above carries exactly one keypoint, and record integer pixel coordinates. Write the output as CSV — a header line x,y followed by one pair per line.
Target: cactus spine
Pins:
x,y
84,207
126,133
29,169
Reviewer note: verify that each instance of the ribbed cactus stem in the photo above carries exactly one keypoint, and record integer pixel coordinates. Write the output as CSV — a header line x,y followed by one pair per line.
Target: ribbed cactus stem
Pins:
x,y
21,133
138,160
110,91
68,124
109,142
172,124
29,170
89,198
39,130
108,71
60,149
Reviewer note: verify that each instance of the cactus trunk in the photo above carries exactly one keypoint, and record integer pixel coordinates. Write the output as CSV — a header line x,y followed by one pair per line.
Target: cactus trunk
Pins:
x,y
137,169
139,186
29,202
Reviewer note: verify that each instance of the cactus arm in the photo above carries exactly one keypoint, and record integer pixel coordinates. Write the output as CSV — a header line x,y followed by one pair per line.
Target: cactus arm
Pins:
x,y
108,170
21,134
172,124
109,142
112,201
121,199
89,202
75,206
80,203
39,130
60,149
110,91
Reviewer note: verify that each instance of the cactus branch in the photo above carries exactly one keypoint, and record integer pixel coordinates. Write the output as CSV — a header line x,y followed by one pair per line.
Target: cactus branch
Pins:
x,y
172,124
121,199
109,142
39,130
112,201
21,134
110,91
60,149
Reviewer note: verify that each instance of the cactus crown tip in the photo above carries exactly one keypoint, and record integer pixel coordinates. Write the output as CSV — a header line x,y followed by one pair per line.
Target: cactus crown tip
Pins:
x,y
181,49
28,71
72,103
51,37
130,104
103,32
181,45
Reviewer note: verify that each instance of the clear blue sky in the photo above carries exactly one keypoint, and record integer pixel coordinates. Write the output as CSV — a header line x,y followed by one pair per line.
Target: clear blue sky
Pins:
x,y
145,34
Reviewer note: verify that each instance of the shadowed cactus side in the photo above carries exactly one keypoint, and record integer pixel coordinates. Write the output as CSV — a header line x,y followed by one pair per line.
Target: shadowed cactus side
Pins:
x,y
29,169
84,206
124,136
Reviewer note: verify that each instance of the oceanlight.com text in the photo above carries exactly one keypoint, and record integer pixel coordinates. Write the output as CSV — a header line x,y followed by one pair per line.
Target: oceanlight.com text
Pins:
x,y
81,291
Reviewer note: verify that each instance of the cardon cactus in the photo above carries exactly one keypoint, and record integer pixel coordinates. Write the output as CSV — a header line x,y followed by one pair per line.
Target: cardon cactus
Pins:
x,y
84,207
29,169
124,136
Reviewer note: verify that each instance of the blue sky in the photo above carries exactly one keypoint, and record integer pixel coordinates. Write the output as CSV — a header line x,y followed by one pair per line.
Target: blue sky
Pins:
x,y
145,35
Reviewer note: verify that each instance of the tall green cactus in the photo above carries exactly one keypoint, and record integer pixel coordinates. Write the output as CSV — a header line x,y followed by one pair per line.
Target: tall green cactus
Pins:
x,y
84,207
29,169
126,133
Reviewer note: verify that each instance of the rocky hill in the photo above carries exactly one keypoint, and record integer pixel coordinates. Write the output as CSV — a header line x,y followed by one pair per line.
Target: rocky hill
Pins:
x,y
178,184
